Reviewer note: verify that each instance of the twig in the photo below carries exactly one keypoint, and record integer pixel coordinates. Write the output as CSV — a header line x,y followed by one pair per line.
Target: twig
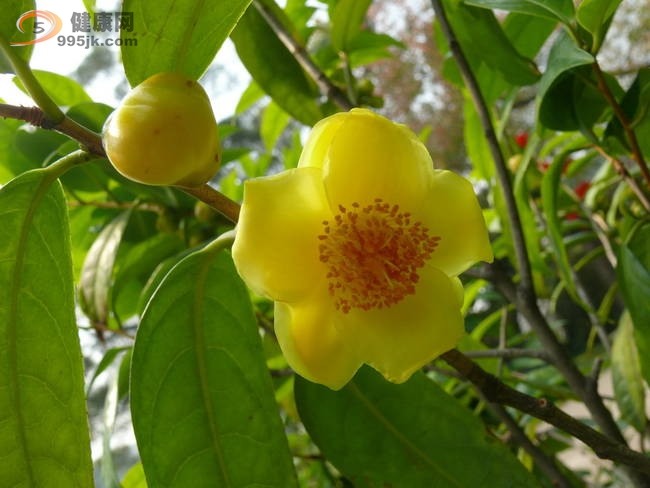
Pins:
x,y
544,462
325,85
497,392
637,154
625,174
526,299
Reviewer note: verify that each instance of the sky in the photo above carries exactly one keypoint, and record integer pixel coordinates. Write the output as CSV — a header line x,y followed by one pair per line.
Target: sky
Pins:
x,y
50,56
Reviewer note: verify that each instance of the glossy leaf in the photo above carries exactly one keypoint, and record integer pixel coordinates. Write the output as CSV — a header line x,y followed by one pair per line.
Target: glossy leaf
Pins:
x,y
97,272
43,424
558,10
275,69
180,36
64,91
627,379
346,21
11,11
202,402
381,434
634,278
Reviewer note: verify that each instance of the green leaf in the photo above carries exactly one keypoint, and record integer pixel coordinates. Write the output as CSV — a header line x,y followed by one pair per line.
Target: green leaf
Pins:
x,y
274,122
105,362
179,36
44,428
410,435
558,10
275,69
202,401
595,16
568,98
63,90
12,160
346,22
627,379
480,34
635,105
134,478
11,11
97,272
252,94
634,278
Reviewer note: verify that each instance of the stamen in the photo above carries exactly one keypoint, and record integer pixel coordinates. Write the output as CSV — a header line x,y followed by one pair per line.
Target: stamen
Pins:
x,y
373,254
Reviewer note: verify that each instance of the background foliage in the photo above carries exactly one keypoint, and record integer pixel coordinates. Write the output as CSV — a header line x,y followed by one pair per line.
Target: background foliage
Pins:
x,y
172,337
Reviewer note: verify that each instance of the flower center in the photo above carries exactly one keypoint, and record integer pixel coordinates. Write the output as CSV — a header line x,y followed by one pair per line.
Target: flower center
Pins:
x,y
373,254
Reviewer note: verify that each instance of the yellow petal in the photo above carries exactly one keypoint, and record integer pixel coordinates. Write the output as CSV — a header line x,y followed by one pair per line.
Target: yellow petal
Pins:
x,y
316,149
400,339
276,247
371,157
312,344
451,212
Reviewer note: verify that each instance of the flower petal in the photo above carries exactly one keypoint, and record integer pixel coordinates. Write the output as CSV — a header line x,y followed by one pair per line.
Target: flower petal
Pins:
x,y
371,157
451,212
400,339
316,149
312,345
276,247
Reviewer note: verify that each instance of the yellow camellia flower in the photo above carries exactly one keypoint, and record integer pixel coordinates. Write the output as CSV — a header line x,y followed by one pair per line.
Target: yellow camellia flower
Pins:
x,y
360,248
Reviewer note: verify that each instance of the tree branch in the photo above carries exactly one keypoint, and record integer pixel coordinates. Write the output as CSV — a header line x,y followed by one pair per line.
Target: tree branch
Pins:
x,y
497,392
526,299
325,85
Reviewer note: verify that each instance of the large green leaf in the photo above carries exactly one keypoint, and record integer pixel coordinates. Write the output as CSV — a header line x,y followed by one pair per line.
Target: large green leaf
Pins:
x,y
202,402
559,10
275,69
627,379
11,11
176,35
410,435
64,91
43,425
634,278
347,18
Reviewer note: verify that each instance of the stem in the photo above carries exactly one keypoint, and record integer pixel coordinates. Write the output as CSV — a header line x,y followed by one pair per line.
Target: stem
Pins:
x,y
497,392
217,200
325,85
637,155
526,299
31,84
625,174
69,161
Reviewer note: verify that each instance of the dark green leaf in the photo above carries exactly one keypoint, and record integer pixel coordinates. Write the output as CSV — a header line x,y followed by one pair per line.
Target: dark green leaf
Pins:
x,y
97,272
347,19
202,402
595,16
12,160
275,69
558,10
44,428
410,435
11,11
63,90
180,36
627,378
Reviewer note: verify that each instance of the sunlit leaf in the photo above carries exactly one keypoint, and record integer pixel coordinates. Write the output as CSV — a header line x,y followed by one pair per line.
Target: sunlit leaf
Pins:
x,y
558,10
346,20
202,402
43,427
63,90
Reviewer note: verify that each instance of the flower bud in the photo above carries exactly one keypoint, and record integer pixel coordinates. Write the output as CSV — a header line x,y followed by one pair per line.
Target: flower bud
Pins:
x,y
164,133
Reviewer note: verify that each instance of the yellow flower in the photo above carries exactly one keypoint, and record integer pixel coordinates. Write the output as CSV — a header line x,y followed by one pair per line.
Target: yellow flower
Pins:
x,y
360,248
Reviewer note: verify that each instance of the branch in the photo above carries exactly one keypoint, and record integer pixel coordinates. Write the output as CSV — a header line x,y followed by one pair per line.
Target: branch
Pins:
x,y
526,299
497,392
509,353
325,85
637,155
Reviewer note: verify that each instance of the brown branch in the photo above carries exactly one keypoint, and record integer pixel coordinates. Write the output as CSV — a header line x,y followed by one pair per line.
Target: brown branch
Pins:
x,y
637,154
526,300
497,392
325,85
